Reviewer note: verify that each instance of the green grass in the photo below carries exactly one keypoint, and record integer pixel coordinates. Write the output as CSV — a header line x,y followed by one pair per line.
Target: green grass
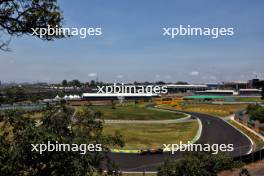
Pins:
x,y
135,112
35,115
138,136
258,142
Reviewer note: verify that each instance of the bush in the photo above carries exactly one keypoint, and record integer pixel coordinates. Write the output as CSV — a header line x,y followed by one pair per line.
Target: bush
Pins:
x,y
198,164
256,112
18,132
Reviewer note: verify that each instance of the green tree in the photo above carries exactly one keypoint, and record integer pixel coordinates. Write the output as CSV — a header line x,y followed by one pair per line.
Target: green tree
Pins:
x,y
256,112
160,83
92,83
20,95
64,83
181,82
2,98
19,17
262,92
198,164
75,82
252,107
59,125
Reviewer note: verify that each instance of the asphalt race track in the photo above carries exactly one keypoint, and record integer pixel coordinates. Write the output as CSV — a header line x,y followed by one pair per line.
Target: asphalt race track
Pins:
x,y
214,131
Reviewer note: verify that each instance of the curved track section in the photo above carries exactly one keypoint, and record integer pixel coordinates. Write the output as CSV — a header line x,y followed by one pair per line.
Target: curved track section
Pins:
x,y
215,131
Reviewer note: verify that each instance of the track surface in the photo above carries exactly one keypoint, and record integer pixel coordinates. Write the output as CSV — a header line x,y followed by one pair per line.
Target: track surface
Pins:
x,y
215,131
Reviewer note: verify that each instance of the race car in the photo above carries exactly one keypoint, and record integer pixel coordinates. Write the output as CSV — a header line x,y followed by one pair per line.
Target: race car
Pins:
x,y
151,151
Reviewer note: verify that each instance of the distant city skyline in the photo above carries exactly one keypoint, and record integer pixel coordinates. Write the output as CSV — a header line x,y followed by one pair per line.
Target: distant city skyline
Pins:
x,y
132,47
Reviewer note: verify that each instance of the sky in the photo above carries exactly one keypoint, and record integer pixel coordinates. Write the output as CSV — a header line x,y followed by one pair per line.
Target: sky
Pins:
x,y
133,48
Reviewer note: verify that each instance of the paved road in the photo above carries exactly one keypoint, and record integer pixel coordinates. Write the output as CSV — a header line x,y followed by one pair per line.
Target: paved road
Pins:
x,y
215,131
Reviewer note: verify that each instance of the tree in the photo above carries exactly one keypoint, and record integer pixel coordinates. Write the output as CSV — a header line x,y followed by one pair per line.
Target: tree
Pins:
x,y
75,82
20,95
197,163
18,132
92,83
251,108
256,112
160,83
258,115
181,83
262,92
20,17
2,100
64,83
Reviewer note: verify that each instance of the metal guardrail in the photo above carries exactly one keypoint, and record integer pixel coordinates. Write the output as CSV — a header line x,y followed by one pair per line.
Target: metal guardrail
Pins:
x,y
254,156
250,158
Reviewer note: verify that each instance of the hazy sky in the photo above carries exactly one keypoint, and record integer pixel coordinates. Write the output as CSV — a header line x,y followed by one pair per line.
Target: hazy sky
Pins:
x,y
132,47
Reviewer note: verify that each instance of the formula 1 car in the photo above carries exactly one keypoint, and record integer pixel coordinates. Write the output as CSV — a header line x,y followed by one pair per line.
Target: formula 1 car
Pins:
x,y
151,151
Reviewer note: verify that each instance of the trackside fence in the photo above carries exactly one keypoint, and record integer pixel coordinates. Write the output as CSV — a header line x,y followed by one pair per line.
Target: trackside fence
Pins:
x,y
250,158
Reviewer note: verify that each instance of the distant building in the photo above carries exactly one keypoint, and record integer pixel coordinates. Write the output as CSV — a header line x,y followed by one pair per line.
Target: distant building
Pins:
x,y
250,84
241,92
236,85
217,92
249,92
256,83
176,88
214,85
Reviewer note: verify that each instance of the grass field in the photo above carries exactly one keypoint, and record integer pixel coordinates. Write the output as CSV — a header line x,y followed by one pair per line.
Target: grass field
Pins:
x,y
138,136
35,115
135,112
